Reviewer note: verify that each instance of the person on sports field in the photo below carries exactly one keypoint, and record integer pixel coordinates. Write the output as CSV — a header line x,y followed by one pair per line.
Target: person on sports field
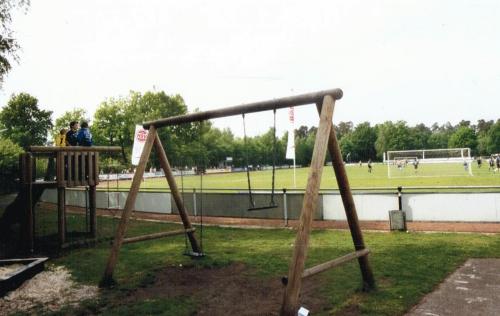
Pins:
x,y
498,163
415,164
491,163
479,162
369,165
71,134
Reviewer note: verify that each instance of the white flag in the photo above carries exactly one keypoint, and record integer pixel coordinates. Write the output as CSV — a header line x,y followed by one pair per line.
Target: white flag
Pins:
x,y
290,147
139,140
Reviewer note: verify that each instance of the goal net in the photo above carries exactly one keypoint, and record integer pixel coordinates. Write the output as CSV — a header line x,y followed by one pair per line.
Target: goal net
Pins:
x,y
429,163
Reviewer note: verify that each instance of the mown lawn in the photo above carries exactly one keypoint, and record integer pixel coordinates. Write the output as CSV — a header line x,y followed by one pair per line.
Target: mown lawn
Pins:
x,y
429,176
406,266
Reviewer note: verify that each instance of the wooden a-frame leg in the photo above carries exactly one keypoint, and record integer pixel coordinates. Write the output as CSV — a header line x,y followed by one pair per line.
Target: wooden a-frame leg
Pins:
x,y
350,208
292,291
165,165
127,211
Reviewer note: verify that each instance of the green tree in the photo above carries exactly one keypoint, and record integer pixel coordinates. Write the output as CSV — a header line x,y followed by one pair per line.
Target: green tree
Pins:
x,y
440,135
343,128
115,120
482,131
463,137
9,164
77,114
347,148
113,125
420,135
393,136
363,142
25,123
8,44
493,137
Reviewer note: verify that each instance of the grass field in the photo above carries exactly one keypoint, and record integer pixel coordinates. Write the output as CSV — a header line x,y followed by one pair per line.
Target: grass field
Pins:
x,y
406,267
429,176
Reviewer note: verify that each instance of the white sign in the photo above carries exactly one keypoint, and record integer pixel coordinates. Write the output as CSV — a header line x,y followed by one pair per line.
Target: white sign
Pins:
x,y
139,140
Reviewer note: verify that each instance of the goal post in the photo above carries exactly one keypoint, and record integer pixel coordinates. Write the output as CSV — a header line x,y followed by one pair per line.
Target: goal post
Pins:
x,y
429,162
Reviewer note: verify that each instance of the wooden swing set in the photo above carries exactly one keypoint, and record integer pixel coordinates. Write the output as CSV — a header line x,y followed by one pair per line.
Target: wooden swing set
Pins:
x,y
325,140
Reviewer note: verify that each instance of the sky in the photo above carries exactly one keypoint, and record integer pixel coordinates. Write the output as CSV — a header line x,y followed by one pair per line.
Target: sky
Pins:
x,y
419,61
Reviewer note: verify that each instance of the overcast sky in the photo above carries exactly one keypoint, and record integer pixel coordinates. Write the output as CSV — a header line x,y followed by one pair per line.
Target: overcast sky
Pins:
x,y
419,61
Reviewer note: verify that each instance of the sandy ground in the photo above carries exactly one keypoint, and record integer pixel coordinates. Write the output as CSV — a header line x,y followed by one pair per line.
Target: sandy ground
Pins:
x,y
49,290
6,270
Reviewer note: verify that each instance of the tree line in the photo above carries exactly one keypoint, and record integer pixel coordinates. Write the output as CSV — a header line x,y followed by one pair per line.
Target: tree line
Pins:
x,y
23,123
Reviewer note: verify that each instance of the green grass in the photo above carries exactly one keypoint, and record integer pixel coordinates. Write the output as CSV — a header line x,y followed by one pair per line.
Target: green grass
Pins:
x,y
406,266
431,175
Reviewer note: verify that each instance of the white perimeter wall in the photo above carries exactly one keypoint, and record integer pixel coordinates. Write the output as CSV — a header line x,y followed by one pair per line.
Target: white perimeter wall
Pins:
x,y
454,207
370,207
155,202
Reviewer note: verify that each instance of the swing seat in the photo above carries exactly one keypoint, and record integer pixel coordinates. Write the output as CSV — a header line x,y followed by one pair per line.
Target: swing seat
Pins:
x,y
261,208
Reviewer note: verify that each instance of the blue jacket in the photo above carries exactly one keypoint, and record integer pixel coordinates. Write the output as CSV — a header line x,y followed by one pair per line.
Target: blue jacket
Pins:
x,y
84,137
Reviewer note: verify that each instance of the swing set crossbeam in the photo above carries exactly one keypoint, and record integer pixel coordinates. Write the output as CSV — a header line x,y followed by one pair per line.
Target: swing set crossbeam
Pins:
x,y
158,235
297,100
322,267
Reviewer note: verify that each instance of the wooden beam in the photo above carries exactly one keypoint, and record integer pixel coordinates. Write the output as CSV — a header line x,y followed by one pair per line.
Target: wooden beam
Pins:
x,y
157,235
127,211
50,149
309,205
349,207
260,106
334,263
165,165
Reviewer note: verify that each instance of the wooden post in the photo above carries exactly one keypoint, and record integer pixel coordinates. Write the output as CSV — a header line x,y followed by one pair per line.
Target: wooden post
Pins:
x,y
77,167
162,156
291,295
61,197
350,208
28,187
92,213
61,214
127,211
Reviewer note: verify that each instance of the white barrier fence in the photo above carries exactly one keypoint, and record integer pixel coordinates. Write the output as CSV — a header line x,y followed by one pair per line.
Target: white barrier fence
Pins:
x,y
444,207
441,207
154,202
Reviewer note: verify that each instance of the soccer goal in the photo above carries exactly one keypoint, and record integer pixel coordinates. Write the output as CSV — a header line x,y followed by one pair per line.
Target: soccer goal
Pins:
x,y
449,162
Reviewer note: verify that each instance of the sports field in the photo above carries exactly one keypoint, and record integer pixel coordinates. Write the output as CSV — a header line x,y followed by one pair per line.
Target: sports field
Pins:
x,y
429,175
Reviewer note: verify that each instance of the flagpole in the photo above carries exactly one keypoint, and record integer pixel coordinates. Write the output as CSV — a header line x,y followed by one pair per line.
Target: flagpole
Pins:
x,y
290,147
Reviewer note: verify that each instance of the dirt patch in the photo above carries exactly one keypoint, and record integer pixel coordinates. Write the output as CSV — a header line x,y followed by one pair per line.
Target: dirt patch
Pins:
x,y
231,290
49,290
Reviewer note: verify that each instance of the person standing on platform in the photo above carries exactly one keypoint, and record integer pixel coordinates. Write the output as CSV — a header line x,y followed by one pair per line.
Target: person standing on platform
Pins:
x,y
60,140
84,137
71,134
